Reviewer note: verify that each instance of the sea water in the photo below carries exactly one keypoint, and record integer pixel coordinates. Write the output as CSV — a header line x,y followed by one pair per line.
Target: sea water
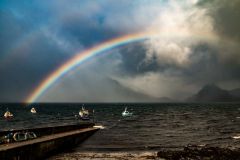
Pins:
x,y
151,127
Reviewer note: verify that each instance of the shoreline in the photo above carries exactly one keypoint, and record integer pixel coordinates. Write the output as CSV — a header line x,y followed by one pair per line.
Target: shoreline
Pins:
x,y
112,155
189,152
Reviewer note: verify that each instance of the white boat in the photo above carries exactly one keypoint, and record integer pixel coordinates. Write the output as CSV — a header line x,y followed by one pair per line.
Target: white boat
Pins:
x,y
84,114
23,136
18,136
33,110
236,137
8,115
125,113
99,126
30,135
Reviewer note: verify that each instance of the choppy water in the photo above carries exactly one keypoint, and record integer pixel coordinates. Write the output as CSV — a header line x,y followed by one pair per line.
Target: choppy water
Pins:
x,y
152,126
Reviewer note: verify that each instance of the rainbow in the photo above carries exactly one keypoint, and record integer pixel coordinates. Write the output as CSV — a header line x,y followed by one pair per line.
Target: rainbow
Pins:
x,y
89,53
81,58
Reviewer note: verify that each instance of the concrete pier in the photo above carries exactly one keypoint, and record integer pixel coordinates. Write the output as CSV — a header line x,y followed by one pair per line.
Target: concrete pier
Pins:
x,y
46,145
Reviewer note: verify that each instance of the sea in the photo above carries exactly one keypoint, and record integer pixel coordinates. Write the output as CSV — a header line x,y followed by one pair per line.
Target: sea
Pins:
x,y
152,126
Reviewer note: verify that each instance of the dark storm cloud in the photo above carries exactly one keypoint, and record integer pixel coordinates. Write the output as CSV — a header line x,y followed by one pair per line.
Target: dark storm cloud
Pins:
x,y
11,31
226,64
205,64
167,74
207,67
37,37
21,73
208,62
132,59
87,31
226,15
26,53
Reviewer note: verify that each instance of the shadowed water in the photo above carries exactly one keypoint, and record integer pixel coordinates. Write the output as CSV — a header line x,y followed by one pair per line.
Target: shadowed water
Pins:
x,y
151,127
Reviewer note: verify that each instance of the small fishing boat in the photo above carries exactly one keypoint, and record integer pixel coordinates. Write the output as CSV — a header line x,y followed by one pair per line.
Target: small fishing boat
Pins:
x,y
8,114
236,137
125,113
30,135
19,136
33,110
23,136
84,114
99,126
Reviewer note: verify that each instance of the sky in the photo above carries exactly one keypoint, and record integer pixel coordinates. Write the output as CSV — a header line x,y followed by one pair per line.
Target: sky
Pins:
x,y
196,42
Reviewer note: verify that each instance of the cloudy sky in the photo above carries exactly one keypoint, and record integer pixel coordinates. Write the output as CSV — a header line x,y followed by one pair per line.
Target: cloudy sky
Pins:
x,y
196,42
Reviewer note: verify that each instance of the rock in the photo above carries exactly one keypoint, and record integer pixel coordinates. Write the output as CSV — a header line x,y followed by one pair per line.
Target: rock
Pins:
x,y
194,152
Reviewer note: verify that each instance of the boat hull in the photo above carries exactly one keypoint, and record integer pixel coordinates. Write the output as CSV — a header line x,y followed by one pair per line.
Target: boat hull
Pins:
x,y
85,118
8,117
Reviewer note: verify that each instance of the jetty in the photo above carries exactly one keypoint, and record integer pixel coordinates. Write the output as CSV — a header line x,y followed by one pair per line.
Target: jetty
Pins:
x,y
50,140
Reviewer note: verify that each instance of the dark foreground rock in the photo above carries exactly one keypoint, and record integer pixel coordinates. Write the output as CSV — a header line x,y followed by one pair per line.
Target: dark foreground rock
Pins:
x,y
187,153
201,153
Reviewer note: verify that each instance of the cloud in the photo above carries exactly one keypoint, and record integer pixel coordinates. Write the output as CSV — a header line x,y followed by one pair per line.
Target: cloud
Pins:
x,y
93,83
195,42
225,14
200,54
158,85
168,52
178,29
35,40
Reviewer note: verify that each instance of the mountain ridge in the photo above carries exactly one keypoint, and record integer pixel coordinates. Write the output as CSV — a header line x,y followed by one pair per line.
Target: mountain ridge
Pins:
x,y
213,93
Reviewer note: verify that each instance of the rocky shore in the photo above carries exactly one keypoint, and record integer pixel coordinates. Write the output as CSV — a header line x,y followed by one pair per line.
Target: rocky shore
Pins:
x,y
188,153
139,155
200,153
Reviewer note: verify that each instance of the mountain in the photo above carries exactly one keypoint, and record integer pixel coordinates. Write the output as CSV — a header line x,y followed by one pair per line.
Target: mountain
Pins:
x,y
235,92
133,96
212,93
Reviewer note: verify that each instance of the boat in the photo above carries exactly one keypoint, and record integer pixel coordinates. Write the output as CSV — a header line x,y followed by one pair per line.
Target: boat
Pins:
x,y
8,114
23,136
99,126
84,114
30,135
33,110
19,136
236,137
125,113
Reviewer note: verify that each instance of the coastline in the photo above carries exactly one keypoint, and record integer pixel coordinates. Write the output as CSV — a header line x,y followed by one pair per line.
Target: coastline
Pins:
x,y
188,152
113,155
